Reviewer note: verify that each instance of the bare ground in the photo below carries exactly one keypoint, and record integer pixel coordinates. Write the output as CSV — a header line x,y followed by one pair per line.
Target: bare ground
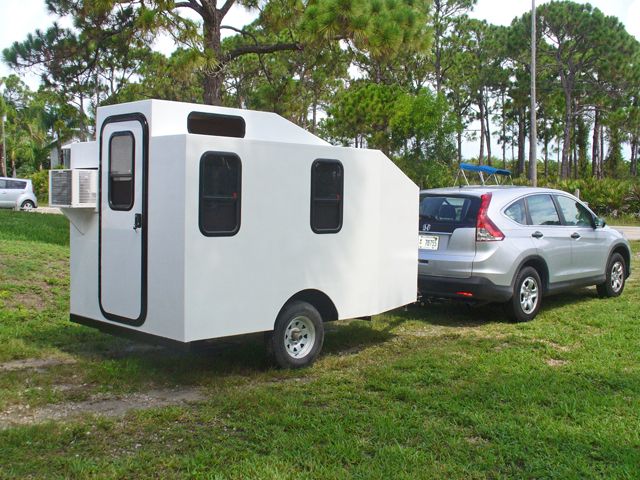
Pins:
x,y
100,405
34,363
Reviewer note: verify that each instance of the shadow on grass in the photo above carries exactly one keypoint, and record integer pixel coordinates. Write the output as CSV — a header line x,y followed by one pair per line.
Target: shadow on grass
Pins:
x,y
459,314
122,363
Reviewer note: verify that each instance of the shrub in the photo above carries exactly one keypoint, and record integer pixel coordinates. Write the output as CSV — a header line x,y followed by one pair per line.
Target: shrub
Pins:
x,y
608,196
40,180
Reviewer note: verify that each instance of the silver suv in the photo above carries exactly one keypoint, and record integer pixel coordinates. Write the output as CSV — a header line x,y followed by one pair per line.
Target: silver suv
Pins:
x,y
17,193
513,245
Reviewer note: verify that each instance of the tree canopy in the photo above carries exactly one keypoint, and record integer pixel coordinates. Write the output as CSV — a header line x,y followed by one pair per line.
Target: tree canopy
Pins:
x,y
414,79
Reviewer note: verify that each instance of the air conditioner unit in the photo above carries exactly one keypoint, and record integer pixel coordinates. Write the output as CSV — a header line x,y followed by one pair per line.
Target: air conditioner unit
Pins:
x,y
75,188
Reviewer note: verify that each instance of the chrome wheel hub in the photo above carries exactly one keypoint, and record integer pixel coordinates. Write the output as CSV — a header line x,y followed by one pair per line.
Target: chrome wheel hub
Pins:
x,y
529,295
299,337
617,276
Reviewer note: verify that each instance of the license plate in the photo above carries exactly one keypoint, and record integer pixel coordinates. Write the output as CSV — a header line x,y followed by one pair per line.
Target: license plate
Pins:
x,y
428,242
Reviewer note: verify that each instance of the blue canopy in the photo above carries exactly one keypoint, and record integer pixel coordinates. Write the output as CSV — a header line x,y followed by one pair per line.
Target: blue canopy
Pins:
x,y
484,169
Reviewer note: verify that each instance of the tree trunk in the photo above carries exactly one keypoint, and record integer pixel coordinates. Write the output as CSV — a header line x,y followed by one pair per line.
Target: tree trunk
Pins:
x,y
482,134
634,156
504,136
567,86
487,131
595,148
314,118
459,140
214,76
546,152
565,166
437,44
3,155
601,156
575,156
521,139
558,162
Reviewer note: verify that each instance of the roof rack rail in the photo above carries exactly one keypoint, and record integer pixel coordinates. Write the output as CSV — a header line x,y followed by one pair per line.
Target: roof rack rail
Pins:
x,y
482,170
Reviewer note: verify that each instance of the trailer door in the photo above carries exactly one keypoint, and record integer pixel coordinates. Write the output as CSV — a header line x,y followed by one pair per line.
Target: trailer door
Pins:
x,y
123,210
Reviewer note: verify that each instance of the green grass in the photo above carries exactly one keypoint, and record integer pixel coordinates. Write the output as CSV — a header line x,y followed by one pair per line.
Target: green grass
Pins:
x,y
433,392
31,227
624,221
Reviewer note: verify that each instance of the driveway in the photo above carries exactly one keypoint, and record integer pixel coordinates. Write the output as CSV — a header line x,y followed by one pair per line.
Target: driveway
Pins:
x,y
632,233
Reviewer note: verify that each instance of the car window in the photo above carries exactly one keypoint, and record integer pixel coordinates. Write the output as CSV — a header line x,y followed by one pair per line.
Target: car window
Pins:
x,y
517,212
542,210
3,184
574,213
444,213
16,184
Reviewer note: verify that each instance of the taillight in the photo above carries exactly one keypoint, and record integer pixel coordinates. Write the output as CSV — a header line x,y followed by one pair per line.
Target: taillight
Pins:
x,y
486,230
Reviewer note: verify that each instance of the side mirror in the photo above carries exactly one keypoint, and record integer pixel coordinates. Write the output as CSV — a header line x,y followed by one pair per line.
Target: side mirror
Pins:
x,y
599,222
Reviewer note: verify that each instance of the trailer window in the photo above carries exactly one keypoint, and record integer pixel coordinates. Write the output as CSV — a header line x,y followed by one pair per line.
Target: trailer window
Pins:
x,y
220,182
216,124
121,171
327,185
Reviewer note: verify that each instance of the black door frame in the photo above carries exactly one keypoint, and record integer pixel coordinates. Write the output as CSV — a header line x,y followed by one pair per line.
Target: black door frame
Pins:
x,y
140,118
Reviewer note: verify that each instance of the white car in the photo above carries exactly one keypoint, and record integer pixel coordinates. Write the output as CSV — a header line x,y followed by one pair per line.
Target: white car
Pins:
x,y
17,193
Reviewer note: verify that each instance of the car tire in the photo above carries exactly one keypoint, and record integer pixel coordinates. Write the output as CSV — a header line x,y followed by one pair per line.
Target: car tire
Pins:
x,y
527,296
27,206
297,337
616,274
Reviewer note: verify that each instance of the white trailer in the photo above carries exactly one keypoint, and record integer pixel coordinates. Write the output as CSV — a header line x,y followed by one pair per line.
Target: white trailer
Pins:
x,y
193,222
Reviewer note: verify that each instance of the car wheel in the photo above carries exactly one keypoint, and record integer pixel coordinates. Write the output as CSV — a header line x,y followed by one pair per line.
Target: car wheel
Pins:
x,y
615,277
527,296
27,206
297,337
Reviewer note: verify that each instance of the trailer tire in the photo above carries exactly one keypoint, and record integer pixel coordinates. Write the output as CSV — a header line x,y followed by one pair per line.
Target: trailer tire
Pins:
x,y
297,336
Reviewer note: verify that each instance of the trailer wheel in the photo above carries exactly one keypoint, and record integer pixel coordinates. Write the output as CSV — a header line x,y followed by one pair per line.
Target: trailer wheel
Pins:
x,y
297,337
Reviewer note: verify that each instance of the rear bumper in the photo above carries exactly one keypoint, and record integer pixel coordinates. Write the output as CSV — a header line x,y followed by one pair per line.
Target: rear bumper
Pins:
x,y
472,288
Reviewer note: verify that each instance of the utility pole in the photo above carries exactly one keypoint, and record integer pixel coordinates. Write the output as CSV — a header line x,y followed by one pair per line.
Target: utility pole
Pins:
x,y
3,165
533,138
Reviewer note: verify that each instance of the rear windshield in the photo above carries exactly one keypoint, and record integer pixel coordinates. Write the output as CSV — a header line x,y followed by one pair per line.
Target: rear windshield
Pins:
x,y
445,213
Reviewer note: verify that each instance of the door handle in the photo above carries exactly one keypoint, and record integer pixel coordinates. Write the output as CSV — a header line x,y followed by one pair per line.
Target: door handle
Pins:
x,y
537,235
575,235
137,221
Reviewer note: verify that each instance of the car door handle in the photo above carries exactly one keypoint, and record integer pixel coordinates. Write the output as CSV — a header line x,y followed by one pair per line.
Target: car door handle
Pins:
x,y
575,235
537,235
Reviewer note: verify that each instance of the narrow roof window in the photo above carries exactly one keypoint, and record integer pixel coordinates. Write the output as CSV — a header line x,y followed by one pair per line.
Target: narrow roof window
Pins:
x,y
216,124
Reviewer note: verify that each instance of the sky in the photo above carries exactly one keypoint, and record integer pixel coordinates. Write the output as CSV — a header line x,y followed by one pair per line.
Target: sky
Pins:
x,y
18,18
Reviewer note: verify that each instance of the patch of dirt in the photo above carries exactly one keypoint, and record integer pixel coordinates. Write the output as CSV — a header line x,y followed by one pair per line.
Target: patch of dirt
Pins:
x,y
36,298
102,404
35,364
556,346
475,440
350,351
554,362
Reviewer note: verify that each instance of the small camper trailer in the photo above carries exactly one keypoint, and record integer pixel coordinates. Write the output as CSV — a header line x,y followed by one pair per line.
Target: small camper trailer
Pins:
x,y
192,222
